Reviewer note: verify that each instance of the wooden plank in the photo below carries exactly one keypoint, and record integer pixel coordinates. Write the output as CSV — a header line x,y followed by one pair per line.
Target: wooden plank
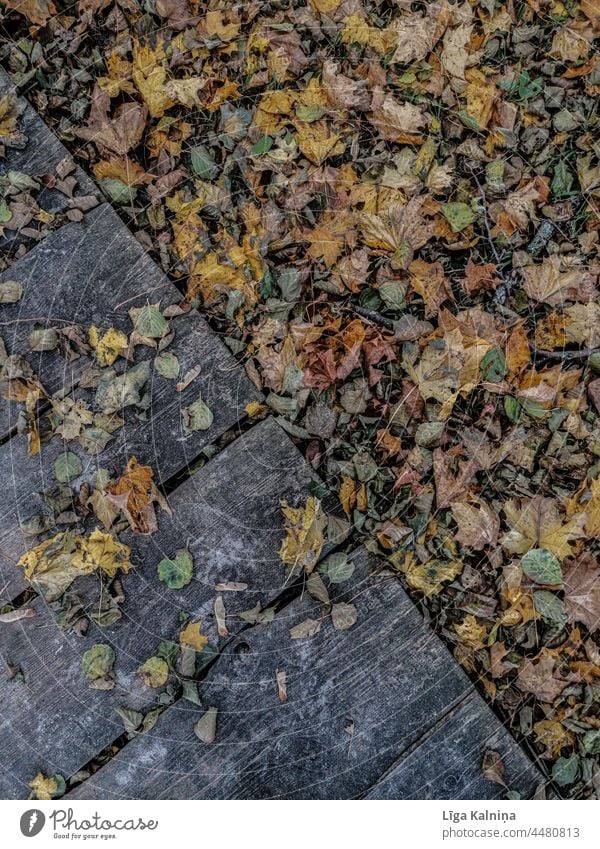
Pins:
x,y
447,764
229,516
355,698
41,153
82,274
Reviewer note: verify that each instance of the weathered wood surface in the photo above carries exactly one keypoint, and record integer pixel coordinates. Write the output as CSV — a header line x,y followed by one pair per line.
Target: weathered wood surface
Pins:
x,y
229,516
446,764
356,700
82,274
39,156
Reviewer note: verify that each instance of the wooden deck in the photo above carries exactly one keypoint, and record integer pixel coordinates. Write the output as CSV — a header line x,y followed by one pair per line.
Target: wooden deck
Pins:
x,y
380,710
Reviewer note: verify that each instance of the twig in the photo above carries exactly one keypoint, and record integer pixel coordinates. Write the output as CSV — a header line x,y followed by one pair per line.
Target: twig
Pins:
x,y
485,217
566,355
373,315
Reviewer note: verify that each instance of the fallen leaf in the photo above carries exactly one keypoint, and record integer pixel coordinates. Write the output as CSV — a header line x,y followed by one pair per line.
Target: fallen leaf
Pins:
x,y
304,539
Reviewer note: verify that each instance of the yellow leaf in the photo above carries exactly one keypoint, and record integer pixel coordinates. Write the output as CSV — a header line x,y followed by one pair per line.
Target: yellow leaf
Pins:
x,y
537,523
471,633
274,107
119,76
317,141
325,7
428,577
8,117
150,77
481,97
108,346
192,638
357,30
43,787
304,535
254,409
103,552
55,563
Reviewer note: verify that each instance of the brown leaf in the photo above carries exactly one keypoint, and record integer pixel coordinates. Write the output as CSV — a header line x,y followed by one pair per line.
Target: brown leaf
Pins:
x,y
478,524
36,11
536,676
493,767
116,134
582,590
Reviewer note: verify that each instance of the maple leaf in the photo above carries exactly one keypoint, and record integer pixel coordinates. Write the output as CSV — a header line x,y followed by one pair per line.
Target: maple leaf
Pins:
x,y
537,523
537,676
135,494
478,524
582,590
150,77
37,11
416,35
402,231
397,122
317,141
44,787
430,577
471,633
192,637
548,284
304,539
107,346
54,564
116,134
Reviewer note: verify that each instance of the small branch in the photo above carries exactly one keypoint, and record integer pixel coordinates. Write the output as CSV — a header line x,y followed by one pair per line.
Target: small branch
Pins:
x,y
584,354
373,315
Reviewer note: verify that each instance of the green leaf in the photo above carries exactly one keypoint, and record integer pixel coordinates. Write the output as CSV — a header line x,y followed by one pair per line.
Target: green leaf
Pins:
x,y
115,392
393,294
542,567
262,146
97,665
458,215
493,366
337,567
67,467
118,191
151,322
565,770
177,573
203,164
197,416
562,180
591,742
167,365
512,408
550,607
5,213
154,672
310,113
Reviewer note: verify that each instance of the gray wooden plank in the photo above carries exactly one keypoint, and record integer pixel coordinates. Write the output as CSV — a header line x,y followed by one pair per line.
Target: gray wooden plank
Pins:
x,y
81,274
39,157
447,764
229,516
355,699
78,275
